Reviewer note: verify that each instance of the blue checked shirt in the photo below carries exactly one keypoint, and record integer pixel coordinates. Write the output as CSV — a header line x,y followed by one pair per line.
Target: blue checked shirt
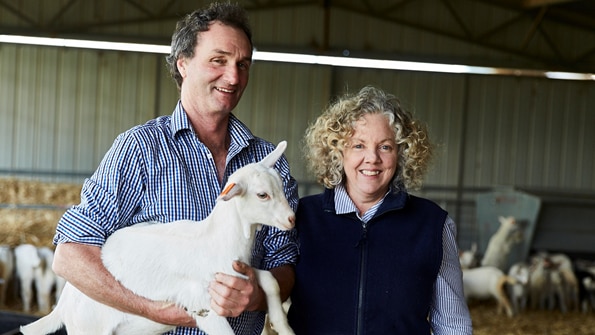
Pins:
x,y
449,313
161,171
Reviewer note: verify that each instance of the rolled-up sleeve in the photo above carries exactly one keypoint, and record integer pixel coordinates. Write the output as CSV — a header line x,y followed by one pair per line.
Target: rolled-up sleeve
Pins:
x,y
109,197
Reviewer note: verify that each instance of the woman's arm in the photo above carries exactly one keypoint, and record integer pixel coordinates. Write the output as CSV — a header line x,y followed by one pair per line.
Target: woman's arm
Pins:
x,y
449,313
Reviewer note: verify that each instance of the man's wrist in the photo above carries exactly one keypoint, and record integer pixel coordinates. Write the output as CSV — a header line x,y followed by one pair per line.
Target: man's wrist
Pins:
x,y
260,301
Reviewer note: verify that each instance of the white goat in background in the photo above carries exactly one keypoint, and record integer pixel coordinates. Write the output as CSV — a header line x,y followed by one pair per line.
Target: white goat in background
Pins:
x,y
45,279
501,242
487,282
34,271
188,255
26,261
519,292
569,281
468,258
553,282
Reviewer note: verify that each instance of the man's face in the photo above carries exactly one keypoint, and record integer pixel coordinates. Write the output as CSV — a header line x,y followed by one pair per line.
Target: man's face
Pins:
x,y
215,78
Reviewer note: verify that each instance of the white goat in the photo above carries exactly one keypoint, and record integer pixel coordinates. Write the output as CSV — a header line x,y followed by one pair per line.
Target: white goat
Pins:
x,y
45,279
468,258
487,282
539,281
519,292
554,282
501,243
570,284
6,270
176,261
26,261
587,290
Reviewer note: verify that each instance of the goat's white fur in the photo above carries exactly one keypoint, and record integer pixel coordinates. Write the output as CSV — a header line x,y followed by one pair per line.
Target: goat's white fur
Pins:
x,y
176,261
27,260
486,282
468,258
553,282
519,292
45,280
501,243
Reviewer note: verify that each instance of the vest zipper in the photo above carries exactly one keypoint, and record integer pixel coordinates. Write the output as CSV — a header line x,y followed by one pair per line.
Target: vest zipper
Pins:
x,y
362,280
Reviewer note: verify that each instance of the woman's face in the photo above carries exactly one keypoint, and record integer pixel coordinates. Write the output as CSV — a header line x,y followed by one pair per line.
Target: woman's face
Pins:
x,y
370,159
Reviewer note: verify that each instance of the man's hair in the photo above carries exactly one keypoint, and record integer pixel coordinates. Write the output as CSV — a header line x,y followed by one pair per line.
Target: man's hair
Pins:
x,y
188,29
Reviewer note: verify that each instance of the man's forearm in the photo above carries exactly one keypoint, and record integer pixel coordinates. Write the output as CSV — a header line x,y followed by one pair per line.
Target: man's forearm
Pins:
x,y
81,265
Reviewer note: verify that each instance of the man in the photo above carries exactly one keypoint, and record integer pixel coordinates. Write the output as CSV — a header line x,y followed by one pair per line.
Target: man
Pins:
x,y
172,168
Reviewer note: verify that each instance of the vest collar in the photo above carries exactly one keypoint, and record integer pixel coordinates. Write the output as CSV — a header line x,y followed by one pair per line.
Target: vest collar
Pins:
x,y
394,200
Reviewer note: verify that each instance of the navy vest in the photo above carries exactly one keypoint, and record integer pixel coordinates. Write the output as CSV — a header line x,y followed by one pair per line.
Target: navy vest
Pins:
x,y
376,280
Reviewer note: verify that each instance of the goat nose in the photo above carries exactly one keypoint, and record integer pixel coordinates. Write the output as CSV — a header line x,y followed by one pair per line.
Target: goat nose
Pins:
x,y
292,220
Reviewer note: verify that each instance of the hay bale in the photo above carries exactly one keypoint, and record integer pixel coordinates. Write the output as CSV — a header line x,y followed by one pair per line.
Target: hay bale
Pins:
x,y
18,191
31,210
34,226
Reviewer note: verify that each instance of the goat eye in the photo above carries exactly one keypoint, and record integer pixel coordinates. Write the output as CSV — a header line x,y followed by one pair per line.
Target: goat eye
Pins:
x,y
262,195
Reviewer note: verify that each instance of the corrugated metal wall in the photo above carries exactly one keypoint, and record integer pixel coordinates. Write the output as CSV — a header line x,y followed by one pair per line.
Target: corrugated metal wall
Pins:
x,y
280,101
531,133
62,108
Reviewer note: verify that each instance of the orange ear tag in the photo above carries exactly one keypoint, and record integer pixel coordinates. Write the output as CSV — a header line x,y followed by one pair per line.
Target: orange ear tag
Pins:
x,y
227,189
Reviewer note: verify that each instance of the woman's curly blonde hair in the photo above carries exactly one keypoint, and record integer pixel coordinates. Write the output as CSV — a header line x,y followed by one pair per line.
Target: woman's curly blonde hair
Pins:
x,y
325,139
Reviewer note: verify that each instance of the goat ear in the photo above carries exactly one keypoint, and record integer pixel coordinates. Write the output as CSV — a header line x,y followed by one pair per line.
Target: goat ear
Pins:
x,y
231,190
270,160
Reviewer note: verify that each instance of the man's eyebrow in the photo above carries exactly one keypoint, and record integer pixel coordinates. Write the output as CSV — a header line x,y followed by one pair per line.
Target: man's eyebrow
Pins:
x,y
227,53
223,52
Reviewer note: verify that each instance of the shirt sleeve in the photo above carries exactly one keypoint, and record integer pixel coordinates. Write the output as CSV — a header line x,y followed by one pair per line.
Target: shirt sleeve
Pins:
x,y
449,313
108,198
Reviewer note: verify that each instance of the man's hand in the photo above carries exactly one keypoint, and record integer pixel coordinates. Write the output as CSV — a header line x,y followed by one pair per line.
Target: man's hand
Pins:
x,y
170,314
232,295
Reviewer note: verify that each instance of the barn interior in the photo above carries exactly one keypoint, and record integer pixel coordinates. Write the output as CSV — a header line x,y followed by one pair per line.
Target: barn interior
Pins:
x,y
507,88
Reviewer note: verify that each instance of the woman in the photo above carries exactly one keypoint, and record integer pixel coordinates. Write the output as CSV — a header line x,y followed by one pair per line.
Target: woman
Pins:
x,y
374,259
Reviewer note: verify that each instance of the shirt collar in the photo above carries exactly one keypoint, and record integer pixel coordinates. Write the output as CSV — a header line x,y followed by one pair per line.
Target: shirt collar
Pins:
x,y
179,120
240,133
344,204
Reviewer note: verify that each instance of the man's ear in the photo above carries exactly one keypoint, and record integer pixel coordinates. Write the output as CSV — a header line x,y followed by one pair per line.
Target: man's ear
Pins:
x,y
181,64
